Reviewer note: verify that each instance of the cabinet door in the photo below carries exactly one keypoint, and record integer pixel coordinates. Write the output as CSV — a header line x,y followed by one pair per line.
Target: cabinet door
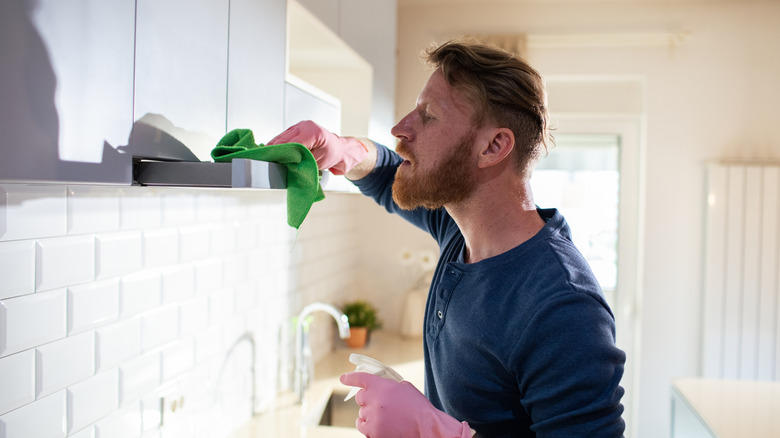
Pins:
x,y
304,102
256,67
67,84
181,75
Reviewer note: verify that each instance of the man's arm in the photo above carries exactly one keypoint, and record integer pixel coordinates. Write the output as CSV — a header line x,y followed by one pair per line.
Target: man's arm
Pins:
x,y
570,368
364,167
332,152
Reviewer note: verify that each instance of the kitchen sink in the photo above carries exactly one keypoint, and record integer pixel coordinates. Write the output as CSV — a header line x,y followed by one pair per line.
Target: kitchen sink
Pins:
x,y
339,413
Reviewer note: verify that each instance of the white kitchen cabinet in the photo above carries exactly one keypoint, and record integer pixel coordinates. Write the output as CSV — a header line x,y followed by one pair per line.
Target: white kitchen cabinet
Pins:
x,y
328,12
306,102
255,94
375,41
88,85
319,57
66,81
181,74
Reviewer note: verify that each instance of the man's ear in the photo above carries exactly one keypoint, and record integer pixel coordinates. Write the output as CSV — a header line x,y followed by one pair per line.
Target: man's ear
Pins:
x,y
499,143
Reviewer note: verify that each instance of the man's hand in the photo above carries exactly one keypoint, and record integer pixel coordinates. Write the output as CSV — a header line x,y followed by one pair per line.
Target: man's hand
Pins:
x,y
334,153
389,409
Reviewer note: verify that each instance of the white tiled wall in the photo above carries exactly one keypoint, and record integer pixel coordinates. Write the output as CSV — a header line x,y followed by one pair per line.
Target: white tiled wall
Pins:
x,y
114,297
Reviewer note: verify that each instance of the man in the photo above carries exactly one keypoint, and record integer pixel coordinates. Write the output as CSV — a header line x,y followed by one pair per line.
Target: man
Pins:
x,y
519,341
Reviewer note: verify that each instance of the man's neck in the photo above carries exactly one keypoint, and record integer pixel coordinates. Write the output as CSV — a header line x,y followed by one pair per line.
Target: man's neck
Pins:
x,y
493,223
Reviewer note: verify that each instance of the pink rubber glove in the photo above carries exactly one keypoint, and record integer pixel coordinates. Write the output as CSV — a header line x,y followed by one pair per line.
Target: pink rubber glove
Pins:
x,y
339,154
389,409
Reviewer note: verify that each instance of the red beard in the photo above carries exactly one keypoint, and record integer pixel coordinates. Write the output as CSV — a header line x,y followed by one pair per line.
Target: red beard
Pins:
x,y
449,181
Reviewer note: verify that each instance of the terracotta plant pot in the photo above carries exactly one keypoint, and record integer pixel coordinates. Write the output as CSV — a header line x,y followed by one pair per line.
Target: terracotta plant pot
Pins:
x,y
357,337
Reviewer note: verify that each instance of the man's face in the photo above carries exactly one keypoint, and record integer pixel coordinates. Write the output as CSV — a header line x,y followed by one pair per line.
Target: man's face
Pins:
x,y
436,140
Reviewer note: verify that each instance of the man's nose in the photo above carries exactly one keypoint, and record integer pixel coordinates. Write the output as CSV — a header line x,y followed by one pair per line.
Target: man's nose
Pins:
x,y
402,130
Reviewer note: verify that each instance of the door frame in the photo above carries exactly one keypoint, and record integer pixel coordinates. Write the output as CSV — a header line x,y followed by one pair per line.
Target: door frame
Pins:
x,y
628,297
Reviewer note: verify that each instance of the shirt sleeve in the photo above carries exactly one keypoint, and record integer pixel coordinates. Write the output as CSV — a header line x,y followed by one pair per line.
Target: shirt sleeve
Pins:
x,y
571,369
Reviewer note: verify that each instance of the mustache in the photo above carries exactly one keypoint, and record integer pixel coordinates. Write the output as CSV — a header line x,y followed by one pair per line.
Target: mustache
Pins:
x,y
402,148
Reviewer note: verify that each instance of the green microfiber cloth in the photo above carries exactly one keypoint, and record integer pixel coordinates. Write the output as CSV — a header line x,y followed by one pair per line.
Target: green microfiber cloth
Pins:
x,y
303,177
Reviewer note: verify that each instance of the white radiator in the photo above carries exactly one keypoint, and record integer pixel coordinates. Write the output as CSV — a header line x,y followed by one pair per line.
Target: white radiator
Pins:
x,y
741,297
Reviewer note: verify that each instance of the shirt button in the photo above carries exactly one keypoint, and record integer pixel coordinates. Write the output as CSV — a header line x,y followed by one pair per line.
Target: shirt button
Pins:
x,y
441,315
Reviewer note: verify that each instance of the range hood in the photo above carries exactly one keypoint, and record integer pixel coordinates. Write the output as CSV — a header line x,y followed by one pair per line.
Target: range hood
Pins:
x,y
159,159
240,173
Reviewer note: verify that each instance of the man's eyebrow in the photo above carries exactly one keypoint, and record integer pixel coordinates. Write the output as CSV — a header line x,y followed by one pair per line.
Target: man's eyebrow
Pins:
x,y
427,108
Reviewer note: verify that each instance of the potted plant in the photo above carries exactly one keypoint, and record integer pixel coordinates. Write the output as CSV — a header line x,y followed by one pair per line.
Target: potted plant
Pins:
x,y
362,318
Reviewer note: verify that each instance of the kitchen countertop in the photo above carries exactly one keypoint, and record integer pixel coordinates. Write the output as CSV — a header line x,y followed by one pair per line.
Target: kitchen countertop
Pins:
x,y
733,408
289,418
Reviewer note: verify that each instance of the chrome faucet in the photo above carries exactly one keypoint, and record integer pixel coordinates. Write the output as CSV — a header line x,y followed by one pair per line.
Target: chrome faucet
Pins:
x,y
304,366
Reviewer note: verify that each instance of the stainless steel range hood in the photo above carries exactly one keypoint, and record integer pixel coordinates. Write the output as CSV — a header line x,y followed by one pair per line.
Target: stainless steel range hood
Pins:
x,y
240,173
160,159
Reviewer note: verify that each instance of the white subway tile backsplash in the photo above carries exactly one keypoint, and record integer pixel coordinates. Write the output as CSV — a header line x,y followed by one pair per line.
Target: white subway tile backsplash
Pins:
x,y
92,399
161,247
17,268
238,206
194,315
124,423
87,432
237,361
210,207
235,268
223,239
159,327
140,292
118,253
180,426
32,211
17,380
31,320
208,344
246,296
149,287
117,343
43,418
64,362
178,283
151,416
208,275
222,305
139,207
93,304
194,242
177,359
64,261
272,227
232,331
92,209
178,207
246,232
199,383
139,376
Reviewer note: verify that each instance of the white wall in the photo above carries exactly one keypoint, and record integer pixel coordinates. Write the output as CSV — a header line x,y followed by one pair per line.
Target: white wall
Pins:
x,y
115,296
715,94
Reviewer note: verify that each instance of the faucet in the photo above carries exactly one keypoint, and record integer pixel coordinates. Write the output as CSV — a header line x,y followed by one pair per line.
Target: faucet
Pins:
x,y
304,368
250,339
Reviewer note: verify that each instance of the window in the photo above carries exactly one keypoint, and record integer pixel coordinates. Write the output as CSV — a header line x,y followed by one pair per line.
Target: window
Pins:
x,y
581,178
